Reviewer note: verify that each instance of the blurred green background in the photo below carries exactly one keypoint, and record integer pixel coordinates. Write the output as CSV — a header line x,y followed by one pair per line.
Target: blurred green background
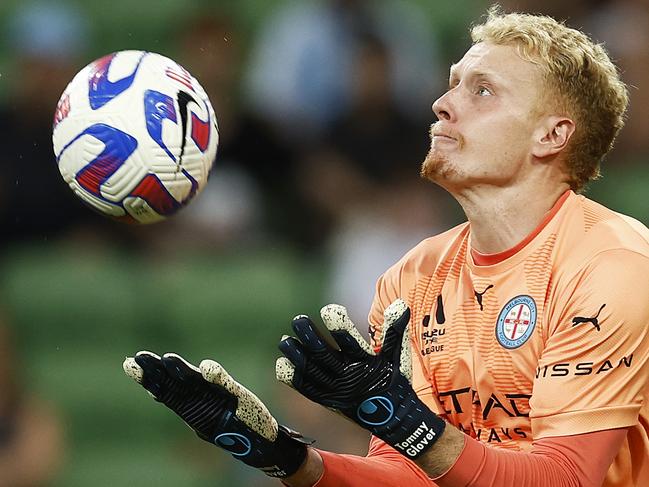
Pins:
x,y
79,293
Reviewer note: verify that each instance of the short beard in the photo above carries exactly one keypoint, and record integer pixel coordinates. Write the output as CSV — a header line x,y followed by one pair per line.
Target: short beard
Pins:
x,y
436,167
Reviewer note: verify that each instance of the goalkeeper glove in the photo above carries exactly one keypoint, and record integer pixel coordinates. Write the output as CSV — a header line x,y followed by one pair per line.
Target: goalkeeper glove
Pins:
x,y
220,410
372,389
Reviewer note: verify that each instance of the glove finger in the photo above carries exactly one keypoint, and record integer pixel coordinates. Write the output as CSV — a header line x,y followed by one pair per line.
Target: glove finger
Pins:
x,y
294,351
250,409
306,370
319,350
214,373
284,371
178,368
405,358
396,319
344,332
133,370
308,334
153,373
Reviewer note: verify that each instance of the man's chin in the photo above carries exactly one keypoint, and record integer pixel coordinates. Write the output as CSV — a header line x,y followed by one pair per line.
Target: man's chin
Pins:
x,y
439,170
433,167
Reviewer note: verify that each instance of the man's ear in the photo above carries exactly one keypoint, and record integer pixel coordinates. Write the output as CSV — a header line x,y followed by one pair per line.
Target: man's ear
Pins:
x,y
553,136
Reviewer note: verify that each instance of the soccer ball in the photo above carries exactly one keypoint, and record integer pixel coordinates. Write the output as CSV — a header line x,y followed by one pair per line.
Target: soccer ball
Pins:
x,y
135,136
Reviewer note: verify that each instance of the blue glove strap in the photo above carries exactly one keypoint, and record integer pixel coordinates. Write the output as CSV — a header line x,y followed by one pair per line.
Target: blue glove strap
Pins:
x,y
280,458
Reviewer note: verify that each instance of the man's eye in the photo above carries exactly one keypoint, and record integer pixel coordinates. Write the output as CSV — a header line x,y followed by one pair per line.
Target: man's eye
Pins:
x,y
482,91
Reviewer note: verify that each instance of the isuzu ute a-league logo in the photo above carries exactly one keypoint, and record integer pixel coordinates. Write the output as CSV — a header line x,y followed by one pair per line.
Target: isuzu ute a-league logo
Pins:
x,y
516,322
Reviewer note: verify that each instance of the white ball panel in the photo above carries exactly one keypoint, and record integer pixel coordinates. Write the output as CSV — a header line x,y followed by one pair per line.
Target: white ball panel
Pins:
x,y
97,203
123,64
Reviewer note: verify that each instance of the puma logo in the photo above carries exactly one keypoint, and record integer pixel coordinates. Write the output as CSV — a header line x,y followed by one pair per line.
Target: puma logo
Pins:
x,y
578,320
478,296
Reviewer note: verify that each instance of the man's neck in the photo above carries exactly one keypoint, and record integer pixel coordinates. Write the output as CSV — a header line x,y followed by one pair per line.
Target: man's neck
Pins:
x,y
501,218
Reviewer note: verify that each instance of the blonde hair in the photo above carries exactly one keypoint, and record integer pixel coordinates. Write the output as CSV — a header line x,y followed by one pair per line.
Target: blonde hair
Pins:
x,y
578,73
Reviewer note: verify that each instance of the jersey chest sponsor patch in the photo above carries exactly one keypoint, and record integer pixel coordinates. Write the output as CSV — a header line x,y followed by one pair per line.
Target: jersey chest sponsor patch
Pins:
x,y
516,322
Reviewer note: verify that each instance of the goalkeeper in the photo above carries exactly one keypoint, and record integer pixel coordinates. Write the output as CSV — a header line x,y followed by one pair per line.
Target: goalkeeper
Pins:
x,y
511,350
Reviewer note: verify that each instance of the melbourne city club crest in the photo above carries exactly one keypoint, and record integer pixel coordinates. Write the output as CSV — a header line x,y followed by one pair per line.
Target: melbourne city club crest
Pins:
x,y
516,322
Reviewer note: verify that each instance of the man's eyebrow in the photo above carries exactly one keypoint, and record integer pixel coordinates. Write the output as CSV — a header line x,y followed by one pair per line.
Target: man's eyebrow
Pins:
x,y
476,74
453,71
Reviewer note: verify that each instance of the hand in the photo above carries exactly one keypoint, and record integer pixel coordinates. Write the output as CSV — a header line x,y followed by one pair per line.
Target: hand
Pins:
x,y
220,410
372,389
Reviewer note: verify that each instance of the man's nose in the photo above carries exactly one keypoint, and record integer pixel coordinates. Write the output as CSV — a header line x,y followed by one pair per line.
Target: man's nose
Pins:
x,y
442,107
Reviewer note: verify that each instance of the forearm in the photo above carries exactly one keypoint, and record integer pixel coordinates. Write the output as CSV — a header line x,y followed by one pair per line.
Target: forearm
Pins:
x,y
385,469
309,473
570,461
440,457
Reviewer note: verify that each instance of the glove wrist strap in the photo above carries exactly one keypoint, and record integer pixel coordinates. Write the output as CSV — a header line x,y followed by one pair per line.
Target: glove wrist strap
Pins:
x,y
417,434
401,419
292,450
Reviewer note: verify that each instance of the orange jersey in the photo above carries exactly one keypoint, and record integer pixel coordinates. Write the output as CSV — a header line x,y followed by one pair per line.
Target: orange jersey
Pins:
x,y
551,340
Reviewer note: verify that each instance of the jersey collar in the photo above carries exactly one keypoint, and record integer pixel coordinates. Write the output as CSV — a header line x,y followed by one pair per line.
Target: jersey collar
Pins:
x,y
482,260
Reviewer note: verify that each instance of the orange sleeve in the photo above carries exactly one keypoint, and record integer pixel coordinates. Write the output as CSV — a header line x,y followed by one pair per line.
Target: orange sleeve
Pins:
x,y
383,467
568,461
594,368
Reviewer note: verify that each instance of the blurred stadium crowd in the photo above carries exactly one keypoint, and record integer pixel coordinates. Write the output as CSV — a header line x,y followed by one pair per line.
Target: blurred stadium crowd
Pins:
x,y
323,109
